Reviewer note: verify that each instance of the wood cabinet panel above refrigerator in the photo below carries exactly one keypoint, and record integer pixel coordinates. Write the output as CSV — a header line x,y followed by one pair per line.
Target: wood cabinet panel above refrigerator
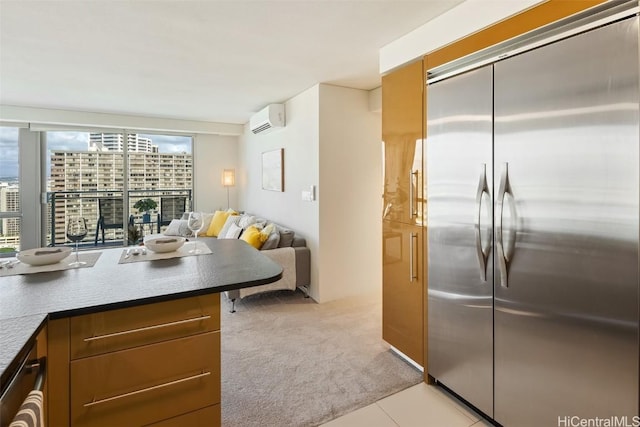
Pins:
x,y
402,137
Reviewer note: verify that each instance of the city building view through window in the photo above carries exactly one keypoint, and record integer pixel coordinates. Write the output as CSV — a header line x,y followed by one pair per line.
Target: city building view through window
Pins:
x,y
9,191
88,176
124,185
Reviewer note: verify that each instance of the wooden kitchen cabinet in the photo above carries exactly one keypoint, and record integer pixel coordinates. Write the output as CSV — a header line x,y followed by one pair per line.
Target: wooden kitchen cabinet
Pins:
x,y
209,416
140,385
106,331
402,136
403,289
143,365
404,211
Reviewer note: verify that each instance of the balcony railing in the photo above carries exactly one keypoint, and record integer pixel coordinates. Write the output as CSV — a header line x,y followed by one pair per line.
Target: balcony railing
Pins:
x,y
62,204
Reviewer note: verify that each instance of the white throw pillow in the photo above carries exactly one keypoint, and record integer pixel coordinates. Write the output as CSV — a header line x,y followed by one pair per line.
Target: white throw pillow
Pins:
x,y
206,219
234,232
177,227
246,221
232,219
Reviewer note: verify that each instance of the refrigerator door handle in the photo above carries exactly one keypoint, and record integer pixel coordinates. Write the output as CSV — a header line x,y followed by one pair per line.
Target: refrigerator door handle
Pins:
x,y
500,255
481,252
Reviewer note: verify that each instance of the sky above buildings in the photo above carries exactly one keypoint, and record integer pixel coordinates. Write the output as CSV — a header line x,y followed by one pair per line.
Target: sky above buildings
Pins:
x,y
73,141
8,152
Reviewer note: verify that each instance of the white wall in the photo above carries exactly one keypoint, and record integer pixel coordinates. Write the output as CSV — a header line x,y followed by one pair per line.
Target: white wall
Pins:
x,y
350,178
332,141
301,169
462,20
213,154
375,100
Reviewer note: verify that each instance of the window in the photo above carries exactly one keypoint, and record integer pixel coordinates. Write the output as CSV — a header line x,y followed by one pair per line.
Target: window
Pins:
x,y
9,191
160,168
86,174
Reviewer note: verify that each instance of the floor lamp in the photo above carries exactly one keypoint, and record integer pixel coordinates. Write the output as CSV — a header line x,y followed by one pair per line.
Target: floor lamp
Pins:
x,y
228,180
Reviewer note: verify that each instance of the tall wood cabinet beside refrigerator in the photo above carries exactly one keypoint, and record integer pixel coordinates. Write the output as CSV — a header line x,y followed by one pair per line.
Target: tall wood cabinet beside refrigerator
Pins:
x,y
403,211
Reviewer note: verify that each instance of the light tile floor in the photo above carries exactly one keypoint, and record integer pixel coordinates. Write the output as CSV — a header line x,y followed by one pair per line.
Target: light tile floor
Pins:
x,y
419,406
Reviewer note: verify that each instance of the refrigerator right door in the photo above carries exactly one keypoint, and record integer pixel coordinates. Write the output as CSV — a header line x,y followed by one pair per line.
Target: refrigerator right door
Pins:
x,y
566,230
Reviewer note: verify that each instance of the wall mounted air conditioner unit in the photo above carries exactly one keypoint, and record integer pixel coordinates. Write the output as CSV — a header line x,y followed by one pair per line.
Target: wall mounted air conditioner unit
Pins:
x,y
270,117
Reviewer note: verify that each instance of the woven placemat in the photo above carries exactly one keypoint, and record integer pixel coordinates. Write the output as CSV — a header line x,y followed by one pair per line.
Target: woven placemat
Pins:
x,y
21,268
148,255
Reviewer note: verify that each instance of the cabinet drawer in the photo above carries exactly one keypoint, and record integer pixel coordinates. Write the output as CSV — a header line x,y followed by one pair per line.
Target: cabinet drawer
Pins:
x,y
207,417
100,333
146,384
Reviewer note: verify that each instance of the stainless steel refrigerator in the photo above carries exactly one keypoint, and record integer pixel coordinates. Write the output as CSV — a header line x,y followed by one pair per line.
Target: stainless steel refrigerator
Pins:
x,y
533,231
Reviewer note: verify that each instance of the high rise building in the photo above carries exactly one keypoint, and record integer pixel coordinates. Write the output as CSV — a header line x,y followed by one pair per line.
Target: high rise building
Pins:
x,y
9,202
80,178
115,142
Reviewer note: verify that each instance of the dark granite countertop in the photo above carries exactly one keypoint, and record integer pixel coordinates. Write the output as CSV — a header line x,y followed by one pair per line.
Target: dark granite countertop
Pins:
x,y
16,336
27,300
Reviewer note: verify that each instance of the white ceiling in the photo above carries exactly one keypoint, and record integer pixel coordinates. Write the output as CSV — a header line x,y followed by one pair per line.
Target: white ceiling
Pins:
x,y
210,60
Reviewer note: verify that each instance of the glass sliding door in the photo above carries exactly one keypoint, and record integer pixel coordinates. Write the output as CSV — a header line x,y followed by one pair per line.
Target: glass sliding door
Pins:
x,y
84,177
125,185
160,168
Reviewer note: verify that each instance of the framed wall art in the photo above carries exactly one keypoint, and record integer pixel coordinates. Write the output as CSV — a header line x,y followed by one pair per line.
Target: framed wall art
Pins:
x,y
272,170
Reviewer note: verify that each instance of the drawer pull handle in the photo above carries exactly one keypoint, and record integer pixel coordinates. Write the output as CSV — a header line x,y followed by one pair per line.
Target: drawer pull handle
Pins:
x,y
144,390
147,328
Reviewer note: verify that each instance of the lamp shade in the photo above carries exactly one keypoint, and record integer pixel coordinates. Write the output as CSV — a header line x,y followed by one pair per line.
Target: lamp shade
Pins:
x,y
229,177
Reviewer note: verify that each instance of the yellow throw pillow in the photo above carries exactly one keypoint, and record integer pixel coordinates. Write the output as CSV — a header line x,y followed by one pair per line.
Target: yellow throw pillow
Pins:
x,y
254,237
217,222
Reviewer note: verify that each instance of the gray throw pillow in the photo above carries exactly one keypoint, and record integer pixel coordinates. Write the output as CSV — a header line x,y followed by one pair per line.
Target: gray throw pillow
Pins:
x,y
286,237
272,241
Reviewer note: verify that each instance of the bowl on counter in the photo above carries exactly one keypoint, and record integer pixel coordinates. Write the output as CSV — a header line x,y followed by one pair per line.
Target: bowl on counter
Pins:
x,y
43,256
160,243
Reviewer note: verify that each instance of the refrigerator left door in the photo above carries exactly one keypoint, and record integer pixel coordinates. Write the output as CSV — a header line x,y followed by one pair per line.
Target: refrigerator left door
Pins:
x,y
459,206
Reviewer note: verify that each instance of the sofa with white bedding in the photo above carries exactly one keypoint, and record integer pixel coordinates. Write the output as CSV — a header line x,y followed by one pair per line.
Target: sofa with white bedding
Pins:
x,y
275,241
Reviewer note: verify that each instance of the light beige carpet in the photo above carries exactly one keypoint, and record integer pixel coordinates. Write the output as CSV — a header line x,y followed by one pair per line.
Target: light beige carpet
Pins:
x,y
287,361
